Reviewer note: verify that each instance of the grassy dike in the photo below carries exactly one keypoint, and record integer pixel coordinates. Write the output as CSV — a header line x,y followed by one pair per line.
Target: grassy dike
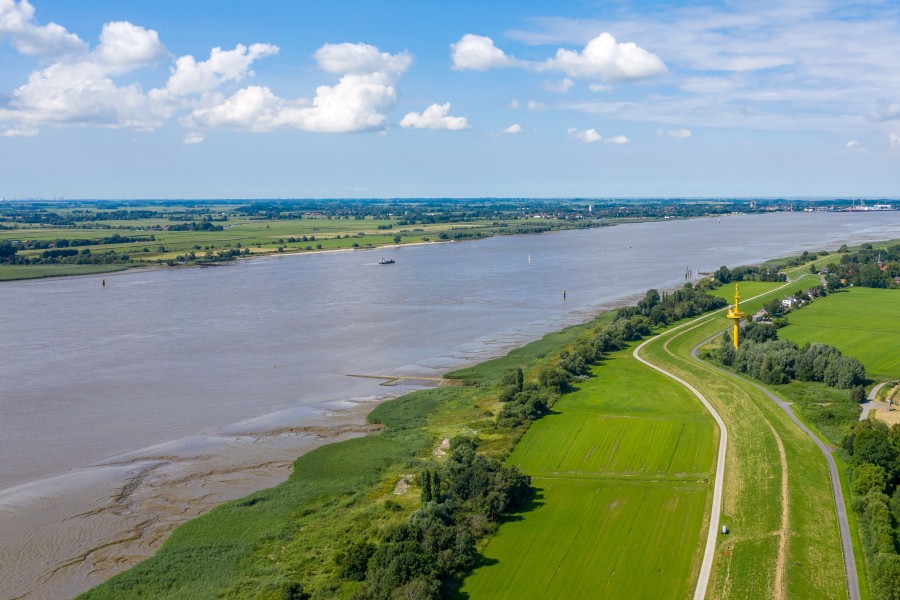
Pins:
x,y
777,502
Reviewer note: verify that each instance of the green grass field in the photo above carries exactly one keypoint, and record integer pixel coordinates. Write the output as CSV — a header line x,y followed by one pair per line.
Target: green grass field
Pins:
x,y
862,322
622,468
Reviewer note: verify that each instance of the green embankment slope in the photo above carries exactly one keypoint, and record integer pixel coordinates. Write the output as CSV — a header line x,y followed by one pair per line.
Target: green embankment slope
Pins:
x,y
622,468
775,549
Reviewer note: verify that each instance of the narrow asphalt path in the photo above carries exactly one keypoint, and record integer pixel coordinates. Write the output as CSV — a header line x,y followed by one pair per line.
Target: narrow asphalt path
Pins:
x,y
716,510
843,523
871,404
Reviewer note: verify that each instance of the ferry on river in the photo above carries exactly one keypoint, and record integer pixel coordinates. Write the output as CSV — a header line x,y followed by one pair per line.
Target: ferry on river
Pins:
x,y
386,261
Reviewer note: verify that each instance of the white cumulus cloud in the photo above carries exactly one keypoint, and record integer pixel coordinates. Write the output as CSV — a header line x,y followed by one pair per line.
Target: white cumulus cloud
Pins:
x,y
360,59
357,102
79,89
125,47
82,86
18,25
608,59
192,77
513,129
478,53
603,57
588,136
436,116
674,133
619,139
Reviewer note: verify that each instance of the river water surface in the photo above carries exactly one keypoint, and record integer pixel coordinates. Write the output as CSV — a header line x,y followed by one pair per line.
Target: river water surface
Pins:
x,y
126,409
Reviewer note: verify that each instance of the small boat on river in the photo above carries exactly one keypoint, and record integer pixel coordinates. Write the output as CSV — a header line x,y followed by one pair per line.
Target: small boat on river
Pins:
x,y
386,261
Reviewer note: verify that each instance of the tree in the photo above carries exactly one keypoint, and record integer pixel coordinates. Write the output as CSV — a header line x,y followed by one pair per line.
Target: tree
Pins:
x,y
886,579
871,445
354,561
868,477
553,378
725,353
427,494
722,275
7,250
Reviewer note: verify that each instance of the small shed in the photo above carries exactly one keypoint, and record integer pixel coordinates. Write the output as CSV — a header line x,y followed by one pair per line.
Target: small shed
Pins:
x,y
762,316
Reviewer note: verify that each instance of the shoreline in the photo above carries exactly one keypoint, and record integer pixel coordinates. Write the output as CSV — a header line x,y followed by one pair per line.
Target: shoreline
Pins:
x,y
152,267
86,525
125,500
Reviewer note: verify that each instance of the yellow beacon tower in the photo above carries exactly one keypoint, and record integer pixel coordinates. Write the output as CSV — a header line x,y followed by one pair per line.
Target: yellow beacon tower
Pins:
x,y
736,315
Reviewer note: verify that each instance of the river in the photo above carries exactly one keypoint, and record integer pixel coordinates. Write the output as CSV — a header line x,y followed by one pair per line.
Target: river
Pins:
x,y
128,408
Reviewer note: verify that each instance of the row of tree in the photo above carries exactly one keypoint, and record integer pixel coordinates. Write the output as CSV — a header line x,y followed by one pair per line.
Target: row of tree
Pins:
x,y
874,476
662,309
67,256
748,273
763,356
529,400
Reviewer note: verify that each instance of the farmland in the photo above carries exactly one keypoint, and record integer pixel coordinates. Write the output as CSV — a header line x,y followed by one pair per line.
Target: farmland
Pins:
x,y
860,322
622,469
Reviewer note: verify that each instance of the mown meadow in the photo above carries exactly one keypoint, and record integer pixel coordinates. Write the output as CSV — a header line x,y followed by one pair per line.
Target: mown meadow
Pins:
x,y
622,467
860,322
778,506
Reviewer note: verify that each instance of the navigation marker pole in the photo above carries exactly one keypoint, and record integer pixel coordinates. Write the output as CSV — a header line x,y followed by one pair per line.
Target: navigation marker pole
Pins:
x,y
735,314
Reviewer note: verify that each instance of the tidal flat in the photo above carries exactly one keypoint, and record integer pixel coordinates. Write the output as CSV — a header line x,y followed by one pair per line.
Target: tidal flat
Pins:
x,y
112,392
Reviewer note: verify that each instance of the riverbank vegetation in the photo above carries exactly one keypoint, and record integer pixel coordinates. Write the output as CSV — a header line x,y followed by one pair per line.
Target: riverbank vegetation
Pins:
x,y
400,511
70,235
587,435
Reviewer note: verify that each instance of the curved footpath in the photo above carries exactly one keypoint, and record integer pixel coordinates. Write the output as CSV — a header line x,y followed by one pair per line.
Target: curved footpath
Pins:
x,y
716,509
843,523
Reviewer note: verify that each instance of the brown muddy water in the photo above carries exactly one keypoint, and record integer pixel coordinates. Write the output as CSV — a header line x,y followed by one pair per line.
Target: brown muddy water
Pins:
x,y
128,409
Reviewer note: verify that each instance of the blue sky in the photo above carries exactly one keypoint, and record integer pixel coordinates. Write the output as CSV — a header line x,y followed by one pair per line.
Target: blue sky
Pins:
x,y
265,99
